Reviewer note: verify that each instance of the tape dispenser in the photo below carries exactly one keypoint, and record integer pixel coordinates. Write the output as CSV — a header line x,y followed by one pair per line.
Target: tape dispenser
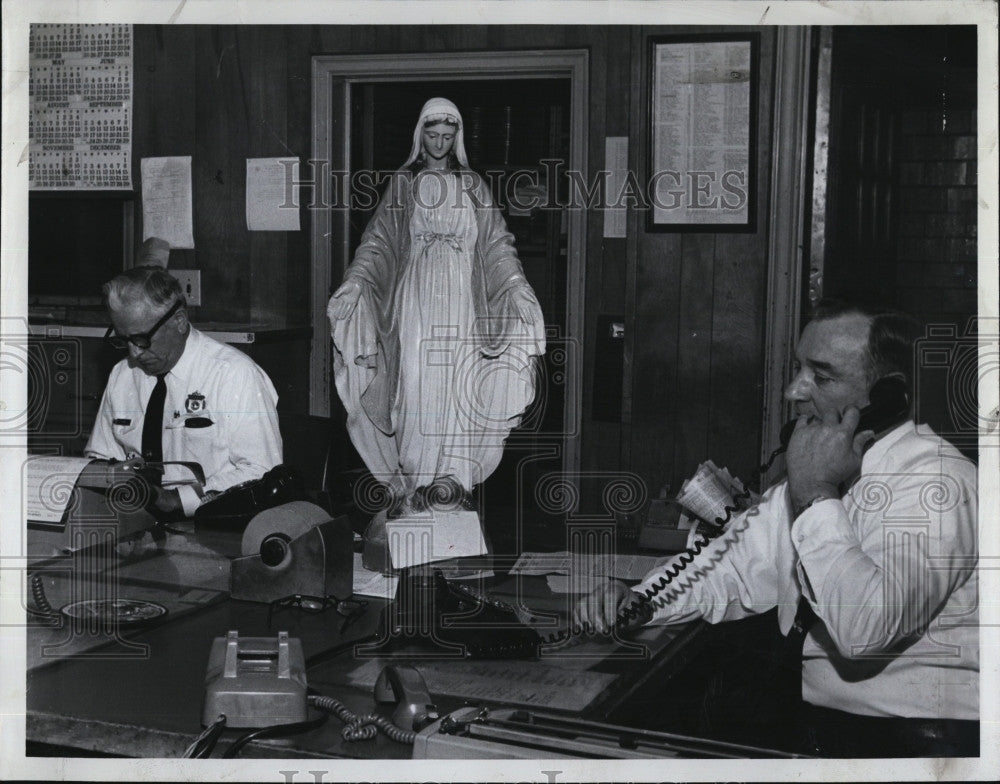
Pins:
x,y
294,548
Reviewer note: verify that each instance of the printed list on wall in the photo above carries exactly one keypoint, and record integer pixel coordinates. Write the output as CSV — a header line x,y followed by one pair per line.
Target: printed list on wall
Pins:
x,y
80,93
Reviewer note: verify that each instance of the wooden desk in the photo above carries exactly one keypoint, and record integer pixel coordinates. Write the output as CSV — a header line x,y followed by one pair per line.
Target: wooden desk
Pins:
x,y
120,701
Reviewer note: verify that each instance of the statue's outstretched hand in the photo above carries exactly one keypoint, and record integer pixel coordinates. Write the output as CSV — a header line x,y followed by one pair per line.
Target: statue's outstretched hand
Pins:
x,y
344,300
525,304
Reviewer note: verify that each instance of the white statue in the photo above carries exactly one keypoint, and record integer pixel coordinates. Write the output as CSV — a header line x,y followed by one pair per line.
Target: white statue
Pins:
x,y
435,328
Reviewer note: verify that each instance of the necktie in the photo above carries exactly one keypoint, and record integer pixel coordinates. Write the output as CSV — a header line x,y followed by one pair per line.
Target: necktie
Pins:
x,y
152,424
805,617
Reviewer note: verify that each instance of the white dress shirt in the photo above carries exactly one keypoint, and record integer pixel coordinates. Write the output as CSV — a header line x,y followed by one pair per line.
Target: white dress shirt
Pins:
x,y
219,412
889,570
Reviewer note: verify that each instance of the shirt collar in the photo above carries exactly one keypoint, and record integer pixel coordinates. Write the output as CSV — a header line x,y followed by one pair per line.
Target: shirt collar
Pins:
x,y
877,451
182,369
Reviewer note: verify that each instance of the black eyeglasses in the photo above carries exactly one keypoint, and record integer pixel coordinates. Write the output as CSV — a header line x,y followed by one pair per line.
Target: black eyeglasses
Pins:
x,y
142,340
348,609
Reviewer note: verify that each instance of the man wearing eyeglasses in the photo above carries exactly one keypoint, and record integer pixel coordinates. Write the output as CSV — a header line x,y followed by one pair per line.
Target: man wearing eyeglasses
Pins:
x,y
179,395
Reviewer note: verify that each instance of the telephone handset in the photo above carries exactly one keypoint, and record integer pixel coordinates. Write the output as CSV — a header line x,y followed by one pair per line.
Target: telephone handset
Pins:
x,y
889,404
405,687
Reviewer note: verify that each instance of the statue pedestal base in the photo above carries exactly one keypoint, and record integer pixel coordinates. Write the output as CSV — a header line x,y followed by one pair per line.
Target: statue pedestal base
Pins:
x,y
375,555
375,546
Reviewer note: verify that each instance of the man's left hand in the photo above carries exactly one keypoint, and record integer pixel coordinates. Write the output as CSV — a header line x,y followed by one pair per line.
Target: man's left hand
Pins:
x,y
823,454
166,505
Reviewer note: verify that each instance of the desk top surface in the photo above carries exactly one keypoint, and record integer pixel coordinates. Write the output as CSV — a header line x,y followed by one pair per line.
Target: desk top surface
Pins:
x,y
140,693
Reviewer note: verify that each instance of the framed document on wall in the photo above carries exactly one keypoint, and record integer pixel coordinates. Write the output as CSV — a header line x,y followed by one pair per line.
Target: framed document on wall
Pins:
x,y
702,140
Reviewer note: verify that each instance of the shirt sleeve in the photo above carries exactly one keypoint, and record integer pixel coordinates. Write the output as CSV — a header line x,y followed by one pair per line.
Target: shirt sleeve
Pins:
x,y
102,444
190,499
250,427
878,565
744,571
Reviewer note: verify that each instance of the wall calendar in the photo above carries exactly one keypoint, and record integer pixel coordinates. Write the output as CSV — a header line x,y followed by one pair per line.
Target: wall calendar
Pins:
x,y
80,94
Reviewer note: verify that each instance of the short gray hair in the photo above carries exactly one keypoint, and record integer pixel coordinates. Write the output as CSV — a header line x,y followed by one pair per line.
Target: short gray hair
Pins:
x,y
153,284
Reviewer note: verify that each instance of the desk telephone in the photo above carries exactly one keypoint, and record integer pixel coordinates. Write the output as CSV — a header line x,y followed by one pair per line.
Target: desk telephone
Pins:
x,y
260,683
451,617
234,507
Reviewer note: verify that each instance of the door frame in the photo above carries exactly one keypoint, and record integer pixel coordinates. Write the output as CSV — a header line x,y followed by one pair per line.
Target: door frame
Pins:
x,y
333,77
787,226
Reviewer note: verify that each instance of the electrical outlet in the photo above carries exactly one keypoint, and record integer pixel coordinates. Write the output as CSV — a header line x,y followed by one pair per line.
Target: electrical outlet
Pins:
x,y
190,281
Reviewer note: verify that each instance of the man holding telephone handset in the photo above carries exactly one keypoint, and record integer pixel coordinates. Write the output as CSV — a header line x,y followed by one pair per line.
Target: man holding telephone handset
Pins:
x,y
179,395
876,531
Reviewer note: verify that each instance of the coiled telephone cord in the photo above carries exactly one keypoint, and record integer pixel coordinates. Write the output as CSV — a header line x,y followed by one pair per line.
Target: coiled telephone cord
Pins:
x,y
42,606
363,727
670,573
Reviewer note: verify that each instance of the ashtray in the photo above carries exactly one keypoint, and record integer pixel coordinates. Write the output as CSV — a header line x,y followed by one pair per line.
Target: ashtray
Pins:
x,y
122,612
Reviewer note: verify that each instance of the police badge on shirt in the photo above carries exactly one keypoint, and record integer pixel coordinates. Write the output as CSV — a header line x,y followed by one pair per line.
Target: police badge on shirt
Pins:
x,y
196,411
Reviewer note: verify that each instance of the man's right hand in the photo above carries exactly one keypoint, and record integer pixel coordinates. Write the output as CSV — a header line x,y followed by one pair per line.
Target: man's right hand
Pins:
x,y
344,300
602,606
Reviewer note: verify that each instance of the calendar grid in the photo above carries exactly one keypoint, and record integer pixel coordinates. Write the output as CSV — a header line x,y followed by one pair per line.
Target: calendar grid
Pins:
x,y
80,93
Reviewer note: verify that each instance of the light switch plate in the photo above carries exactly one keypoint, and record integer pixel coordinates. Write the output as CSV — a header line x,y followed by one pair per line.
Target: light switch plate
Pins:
x,y
190,281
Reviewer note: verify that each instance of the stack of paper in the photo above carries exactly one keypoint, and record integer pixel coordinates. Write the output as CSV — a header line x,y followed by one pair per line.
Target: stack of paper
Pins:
x,y
711,490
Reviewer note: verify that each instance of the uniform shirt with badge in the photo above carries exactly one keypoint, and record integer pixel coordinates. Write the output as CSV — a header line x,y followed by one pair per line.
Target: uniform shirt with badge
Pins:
x,y
219,412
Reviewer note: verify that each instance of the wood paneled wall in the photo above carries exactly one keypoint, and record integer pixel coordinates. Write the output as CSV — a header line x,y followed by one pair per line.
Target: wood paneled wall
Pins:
x,y
691,379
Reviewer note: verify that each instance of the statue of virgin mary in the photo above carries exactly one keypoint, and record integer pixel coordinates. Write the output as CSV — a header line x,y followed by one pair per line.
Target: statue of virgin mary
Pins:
x,y
436,330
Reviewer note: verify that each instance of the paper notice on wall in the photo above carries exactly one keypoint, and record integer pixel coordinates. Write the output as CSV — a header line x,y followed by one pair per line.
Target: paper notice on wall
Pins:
x,y
48,486
616,163
269,203
166,200
702,112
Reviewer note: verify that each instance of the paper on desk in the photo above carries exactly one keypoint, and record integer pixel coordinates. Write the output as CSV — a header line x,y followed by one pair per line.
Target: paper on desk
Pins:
x,y
617,565
441,537
534,683
166,200
542,563
48,486
564,583
368,583
268,203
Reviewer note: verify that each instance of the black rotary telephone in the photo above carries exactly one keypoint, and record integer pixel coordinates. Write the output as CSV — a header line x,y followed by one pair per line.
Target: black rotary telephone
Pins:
x,y
234,508
430,611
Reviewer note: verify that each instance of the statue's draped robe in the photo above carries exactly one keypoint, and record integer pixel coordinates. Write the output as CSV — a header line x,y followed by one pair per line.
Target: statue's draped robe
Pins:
x,y
435,366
